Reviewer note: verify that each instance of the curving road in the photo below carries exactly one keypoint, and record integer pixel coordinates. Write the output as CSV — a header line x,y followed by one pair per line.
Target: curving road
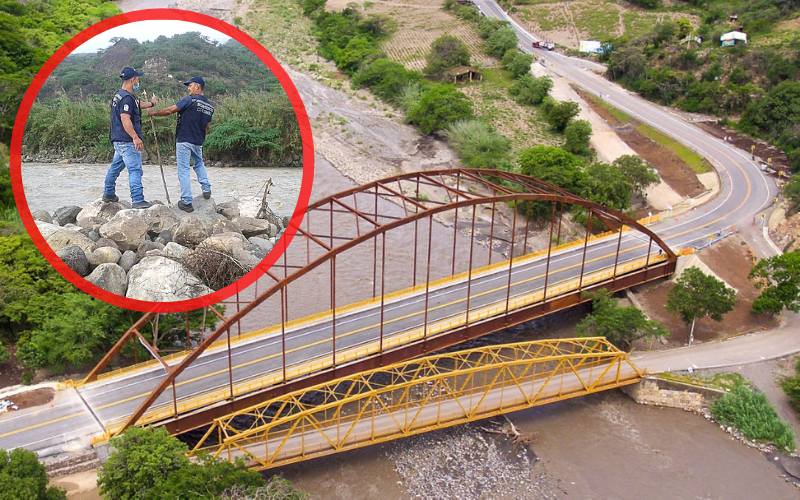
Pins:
x,y
76,415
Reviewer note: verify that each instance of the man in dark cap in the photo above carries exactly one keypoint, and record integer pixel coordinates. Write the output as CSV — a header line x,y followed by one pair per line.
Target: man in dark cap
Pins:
x,y
194,120
126,136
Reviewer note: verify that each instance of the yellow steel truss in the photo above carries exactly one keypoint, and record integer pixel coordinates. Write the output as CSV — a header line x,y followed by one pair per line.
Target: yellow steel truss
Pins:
x,y
417,396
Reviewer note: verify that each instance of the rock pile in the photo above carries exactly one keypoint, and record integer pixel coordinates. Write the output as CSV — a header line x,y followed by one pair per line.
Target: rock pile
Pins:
x,y
140,253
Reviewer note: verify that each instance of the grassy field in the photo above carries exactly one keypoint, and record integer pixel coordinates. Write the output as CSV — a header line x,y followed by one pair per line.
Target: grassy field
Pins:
x,y
694,161
721,381
589,20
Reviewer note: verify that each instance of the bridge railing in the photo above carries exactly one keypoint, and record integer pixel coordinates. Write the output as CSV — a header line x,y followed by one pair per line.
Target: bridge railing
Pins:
x,y
417,396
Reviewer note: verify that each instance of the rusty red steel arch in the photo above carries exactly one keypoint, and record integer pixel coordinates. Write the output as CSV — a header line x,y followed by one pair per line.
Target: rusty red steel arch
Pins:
x,y
461,187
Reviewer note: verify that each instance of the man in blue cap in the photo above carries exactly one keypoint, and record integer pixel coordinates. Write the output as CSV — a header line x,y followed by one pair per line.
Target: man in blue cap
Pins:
x,y
194,120
126,136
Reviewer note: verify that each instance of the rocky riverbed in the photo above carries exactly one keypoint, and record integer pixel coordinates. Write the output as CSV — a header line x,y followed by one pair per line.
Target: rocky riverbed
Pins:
x,y
159,254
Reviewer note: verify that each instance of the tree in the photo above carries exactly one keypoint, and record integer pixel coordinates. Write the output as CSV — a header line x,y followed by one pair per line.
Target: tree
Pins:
x,y
606,185
778,278
619,325
640,173
517,63
554,165
209,477
697,295
501,41
559,113
527,90
447,52
22,476
577,133
439,106
141,460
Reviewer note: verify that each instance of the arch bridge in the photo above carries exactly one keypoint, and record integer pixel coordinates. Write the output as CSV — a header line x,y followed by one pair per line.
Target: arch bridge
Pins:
x,y
377,275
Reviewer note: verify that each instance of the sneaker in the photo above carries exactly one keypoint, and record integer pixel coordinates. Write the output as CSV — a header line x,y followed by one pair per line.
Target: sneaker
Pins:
x,y
186,208
110,198
141,204
206,194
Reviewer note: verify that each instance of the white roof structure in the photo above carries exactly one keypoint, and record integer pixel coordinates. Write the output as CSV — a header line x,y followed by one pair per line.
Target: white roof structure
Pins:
x,y
734,35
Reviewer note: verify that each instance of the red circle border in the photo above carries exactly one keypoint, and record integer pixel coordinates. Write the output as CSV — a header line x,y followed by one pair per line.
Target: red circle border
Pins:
x,y
168,15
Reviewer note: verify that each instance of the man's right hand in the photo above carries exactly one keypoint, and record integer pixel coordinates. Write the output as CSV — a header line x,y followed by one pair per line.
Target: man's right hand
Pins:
x,y
138,144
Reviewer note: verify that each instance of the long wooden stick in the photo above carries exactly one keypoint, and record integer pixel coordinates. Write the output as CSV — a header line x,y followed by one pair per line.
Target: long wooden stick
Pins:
x,y
158,153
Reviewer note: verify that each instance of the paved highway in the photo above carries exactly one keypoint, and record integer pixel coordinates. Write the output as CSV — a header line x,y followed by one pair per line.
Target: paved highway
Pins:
x,y
76,414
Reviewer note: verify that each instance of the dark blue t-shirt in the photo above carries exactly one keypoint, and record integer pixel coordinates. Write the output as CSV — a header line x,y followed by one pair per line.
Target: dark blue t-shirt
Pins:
x,y
194,113
124,103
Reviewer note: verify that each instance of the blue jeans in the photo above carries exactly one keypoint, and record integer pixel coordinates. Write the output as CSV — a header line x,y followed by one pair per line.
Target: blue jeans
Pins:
x,y
125,156
185,151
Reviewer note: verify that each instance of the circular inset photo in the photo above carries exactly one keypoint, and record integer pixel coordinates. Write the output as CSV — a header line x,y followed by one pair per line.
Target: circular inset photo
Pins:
x,y
166,160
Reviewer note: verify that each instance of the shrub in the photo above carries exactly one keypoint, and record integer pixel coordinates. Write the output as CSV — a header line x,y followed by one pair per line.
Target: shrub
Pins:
x,y
4,354
438,107
750,412
528,90
386,79
517,63
501,41
478,145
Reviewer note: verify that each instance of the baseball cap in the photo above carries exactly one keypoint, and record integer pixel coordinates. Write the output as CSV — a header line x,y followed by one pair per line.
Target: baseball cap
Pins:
x,y
127,73
196,79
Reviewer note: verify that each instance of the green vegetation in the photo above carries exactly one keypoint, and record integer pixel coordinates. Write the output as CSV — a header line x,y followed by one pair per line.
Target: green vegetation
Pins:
x,y
640,173
750,412
149,463
447,52
22,476
29,33
688,156
528,90
619,325
778,278
758,80
791,191
697,295
438,107
477,145
791,386
254,119
721,381
517,63
577,134
4,354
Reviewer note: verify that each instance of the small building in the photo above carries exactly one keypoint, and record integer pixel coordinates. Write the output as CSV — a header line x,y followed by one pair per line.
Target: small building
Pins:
x,y
732,38
590,46
464,74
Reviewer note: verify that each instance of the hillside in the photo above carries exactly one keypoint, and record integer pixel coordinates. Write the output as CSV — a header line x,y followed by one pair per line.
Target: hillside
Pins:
x,y
228,68
670,51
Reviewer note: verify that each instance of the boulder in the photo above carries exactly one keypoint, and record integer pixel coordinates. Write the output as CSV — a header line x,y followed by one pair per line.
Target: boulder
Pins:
x,y
106,242
93,236
90,222
166,236
75,259
261,242
172,249
48,230
160,279
160,240
220,226
189,231
42,215
250,226
286,221
99,210
229,209
146,246
104,255
128,260
159,219
224,242
249,255
66,238
66,215
126,229
109,277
